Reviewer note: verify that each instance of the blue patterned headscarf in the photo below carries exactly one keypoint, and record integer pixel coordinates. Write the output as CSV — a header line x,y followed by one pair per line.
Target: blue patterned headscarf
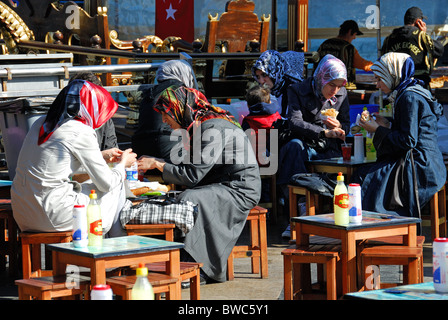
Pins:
x,y
274,65
296,61
329,68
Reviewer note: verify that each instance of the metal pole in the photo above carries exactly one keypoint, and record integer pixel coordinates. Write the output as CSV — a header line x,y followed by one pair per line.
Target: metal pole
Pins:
x,y
378,44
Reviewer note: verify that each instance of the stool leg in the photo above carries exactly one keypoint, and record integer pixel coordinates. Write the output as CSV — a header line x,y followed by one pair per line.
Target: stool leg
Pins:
x,y
292,211
413,271
230,275
263,246
195,286
442,212
255,242
433,204
26,261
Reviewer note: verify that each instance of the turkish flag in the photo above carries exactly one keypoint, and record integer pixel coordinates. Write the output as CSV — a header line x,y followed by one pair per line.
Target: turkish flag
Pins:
x,y
175,18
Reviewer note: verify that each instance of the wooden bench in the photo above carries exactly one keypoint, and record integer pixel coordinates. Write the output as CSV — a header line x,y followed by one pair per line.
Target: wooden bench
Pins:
x,y
188,271
408,257
47,288
299,281
166,230
122,285
257,250
31,251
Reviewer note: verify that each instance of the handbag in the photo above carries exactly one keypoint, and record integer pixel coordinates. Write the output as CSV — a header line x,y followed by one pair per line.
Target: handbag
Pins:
x,y
160,210
398,185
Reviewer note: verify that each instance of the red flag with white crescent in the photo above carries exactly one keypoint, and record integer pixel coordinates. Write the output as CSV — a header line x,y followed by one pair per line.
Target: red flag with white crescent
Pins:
x,y
175,18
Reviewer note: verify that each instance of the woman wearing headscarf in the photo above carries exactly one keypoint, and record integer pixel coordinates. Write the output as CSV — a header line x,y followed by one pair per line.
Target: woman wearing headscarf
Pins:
x,y
311,135
408,156
152,136
219,169
59,145
277,72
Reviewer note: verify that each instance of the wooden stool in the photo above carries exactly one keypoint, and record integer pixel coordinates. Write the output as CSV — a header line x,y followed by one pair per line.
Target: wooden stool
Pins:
x,y
188,271
437,217
393,255
122,286
387,241
328,255
166,230
258,249
9,243
47,288
311,203
31,255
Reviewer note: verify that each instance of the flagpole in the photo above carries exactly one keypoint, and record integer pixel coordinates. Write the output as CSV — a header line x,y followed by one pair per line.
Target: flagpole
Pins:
x,y
274,24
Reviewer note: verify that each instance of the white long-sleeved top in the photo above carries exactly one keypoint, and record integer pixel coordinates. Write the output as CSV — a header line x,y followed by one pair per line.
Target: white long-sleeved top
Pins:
x,y
42,193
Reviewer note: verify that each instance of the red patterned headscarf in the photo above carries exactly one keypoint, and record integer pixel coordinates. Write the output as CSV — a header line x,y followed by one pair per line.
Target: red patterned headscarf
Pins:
x,y
187,106
82,101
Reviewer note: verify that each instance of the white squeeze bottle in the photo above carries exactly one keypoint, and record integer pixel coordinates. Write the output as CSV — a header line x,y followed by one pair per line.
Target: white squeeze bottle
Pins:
x,y
142,289
94,221
341,202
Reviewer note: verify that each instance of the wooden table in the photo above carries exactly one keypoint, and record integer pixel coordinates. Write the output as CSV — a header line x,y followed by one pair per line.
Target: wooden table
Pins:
x,y
373,225
118,252
335,165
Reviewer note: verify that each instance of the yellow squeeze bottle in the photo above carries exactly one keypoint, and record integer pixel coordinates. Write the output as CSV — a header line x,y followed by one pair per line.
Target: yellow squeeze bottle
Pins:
x,y
94,221
341,202
142,289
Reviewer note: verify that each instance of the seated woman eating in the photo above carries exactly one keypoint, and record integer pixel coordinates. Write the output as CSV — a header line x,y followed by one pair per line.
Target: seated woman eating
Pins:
x,y
64,143
219,169
409,168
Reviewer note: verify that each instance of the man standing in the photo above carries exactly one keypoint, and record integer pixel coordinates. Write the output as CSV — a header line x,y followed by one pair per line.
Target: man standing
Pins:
x,y
341,47
413,40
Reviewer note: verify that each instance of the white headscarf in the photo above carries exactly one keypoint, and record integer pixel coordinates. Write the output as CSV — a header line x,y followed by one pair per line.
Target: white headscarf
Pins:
x,y
179,70
389,68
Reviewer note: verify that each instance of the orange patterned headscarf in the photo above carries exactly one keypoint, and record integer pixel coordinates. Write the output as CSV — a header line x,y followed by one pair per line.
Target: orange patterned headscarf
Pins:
x,y
187,106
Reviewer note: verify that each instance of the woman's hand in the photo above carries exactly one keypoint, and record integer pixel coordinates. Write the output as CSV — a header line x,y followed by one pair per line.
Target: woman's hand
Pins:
x,y
369,126
332,122
112,155
335,133
146,163
128,158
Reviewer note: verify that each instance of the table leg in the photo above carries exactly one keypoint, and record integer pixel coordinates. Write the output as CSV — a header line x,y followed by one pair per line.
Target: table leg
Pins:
x,y
98,272
173,269
348,260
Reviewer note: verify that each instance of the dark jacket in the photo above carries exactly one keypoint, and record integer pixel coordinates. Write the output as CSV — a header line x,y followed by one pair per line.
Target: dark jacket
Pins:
x,y
419,45
152,137
304,116
414,128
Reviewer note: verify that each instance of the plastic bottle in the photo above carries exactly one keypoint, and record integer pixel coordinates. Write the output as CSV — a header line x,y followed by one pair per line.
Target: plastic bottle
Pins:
x,y
142,289
359,147
80,230
370,149
94,221
341,202
101,292
132,175
440,264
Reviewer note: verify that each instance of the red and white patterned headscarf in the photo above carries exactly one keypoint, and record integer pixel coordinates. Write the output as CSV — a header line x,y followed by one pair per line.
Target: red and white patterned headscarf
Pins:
x,y
82,101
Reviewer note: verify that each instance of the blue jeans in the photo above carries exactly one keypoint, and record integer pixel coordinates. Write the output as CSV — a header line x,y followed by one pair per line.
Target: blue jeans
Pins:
x,y
292,159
